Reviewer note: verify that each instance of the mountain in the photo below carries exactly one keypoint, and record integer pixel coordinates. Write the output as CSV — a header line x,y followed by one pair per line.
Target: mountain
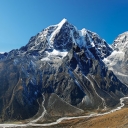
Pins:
x,y
61,37
118,60
60,72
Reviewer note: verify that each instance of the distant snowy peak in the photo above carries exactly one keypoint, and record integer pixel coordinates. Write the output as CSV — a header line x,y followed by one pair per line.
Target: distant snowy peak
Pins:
x,y
118,60
118,57
121,42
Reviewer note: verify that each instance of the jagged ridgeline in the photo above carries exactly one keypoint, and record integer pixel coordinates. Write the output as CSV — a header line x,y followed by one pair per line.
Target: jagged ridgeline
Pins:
x,y
59,72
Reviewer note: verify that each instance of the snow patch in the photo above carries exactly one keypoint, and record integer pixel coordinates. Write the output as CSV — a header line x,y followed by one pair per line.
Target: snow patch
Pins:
x,y
55,53
2,52
45,59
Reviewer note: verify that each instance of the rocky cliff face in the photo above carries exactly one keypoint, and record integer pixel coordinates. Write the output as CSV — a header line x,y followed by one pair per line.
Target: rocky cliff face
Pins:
x,y
60,65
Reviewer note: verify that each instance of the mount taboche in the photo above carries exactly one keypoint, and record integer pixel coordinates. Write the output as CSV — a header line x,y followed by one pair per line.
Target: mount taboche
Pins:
x,y
61,72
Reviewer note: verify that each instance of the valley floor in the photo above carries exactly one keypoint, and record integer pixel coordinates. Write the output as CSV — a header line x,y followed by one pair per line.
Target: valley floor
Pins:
x,y
118,119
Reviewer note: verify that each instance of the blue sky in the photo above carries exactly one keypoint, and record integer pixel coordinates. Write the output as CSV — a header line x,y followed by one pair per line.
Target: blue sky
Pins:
x,y
21,19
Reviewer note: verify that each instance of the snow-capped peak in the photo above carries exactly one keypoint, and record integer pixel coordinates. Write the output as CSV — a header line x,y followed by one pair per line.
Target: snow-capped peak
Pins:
x,y
62,22
84,31
118,60
57,30
62,36
121,42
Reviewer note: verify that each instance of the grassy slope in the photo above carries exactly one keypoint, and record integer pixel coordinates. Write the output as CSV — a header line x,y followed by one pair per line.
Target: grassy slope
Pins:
x,y
118,119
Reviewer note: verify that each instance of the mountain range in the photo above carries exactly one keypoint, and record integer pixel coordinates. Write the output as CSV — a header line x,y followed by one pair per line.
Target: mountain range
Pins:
x,y
62,71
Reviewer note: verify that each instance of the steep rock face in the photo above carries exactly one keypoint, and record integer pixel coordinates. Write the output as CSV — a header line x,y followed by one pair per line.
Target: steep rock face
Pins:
x,y
59,65
20,86
118,60
94,79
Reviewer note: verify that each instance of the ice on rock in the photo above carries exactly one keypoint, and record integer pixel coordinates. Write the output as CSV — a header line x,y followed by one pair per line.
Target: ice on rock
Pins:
x,y
81,42
59,26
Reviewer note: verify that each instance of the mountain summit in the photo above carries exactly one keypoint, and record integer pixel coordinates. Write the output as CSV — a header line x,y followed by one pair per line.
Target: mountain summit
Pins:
x,y
60,72
61,38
